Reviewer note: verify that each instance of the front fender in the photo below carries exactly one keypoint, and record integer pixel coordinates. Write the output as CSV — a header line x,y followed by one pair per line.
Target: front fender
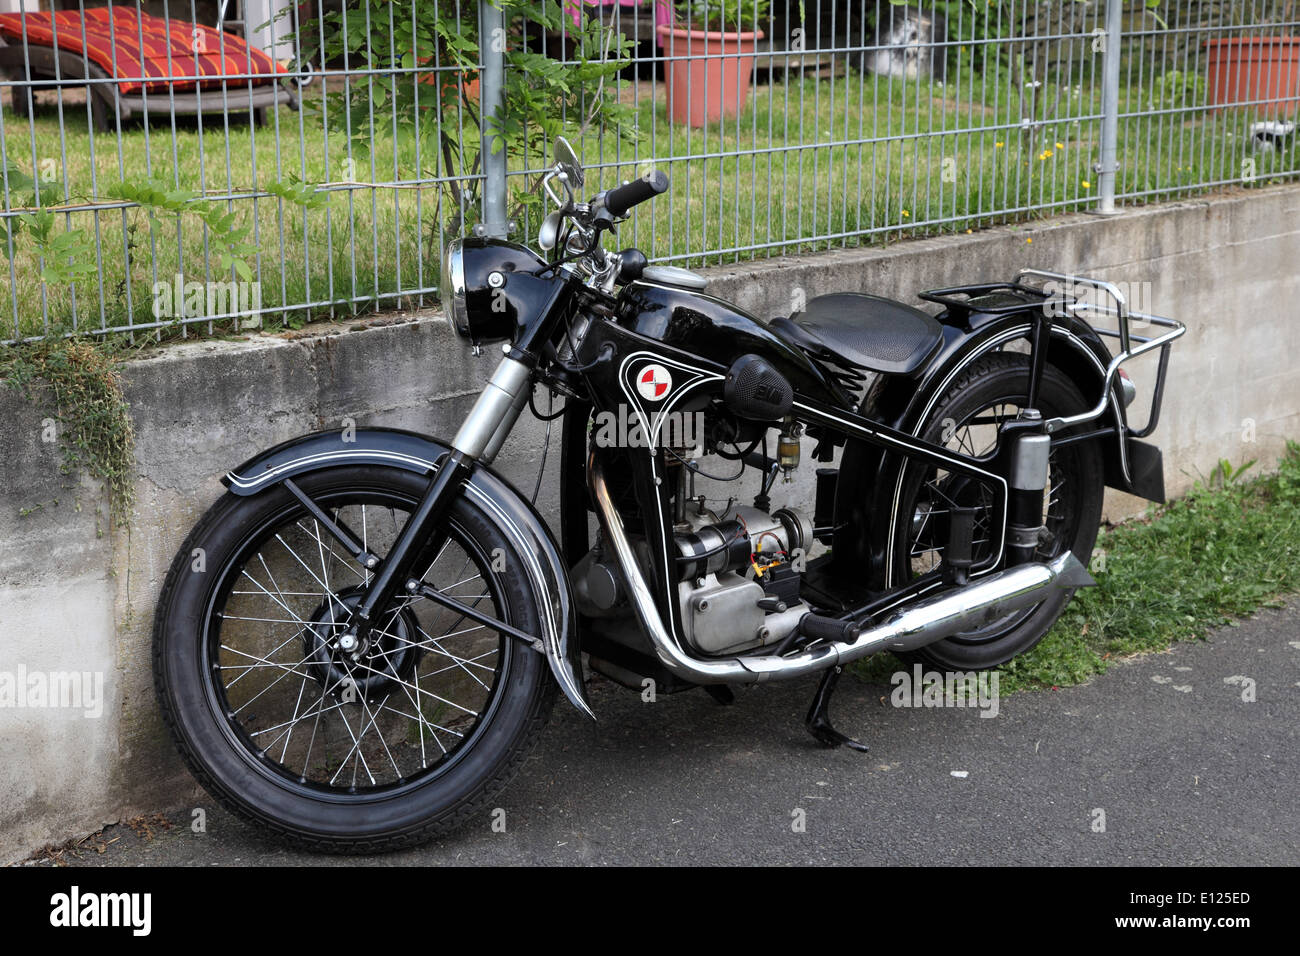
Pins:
x,y
525,528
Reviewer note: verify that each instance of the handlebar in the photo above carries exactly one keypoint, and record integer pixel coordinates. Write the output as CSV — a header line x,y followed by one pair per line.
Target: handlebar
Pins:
x,y
622,198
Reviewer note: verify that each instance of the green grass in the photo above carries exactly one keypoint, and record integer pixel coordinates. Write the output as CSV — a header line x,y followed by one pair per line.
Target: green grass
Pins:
x,y
900,170
917,158
1228,548
365,243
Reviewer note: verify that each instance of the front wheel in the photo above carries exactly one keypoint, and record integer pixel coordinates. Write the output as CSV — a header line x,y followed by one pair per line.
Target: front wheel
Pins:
x,y
334,751
966,419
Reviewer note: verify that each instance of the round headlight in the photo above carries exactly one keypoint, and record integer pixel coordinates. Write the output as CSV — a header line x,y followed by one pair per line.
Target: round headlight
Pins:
x,y
491,289
453,288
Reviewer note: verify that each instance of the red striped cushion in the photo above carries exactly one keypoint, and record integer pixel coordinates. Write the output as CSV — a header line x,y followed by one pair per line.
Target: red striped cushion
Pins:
x,y
146,46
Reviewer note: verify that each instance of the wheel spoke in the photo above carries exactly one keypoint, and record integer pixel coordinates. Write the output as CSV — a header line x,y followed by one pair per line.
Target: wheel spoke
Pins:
x,y
360,757
422,681
374,722
287,672
443,700
265,662
286,607
458,661
297,706
296,719
328,549
445,730
326,592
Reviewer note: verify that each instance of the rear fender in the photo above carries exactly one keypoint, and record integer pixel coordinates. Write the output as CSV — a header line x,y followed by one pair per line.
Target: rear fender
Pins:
x,y
523,526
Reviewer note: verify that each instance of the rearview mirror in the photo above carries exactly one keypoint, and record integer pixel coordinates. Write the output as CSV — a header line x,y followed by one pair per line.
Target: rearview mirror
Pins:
x,y
568,161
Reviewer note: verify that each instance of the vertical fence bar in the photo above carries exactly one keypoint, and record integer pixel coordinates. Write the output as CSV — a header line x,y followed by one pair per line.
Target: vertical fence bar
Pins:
x,y
492,33
1109,165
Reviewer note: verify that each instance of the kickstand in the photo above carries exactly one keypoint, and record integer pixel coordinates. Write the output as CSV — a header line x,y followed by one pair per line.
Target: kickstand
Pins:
x,y
818,720
721,693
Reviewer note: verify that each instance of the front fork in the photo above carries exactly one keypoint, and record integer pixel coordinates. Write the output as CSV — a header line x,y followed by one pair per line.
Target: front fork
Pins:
x,y
477,442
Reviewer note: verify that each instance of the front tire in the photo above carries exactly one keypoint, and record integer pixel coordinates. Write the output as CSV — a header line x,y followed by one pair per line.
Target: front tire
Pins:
x,y
327,751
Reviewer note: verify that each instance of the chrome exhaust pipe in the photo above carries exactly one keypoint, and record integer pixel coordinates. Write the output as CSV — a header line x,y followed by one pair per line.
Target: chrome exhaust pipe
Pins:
x,y
909,628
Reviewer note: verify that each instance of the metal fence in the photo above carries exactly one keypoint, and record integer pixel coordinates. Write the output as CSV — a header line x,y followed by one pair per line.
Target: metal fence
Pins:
x,y
147,190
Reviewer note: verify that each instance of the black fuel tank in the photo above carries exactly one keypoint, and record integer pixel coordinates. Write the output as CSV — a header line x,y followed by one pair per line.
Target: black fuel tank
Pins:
x,y
720,332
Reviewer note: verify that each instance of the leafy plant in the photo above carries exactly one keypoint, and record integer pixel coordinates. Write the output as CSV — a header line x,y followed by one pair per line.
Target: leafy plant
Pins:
x,y
64,256
1224,474
232,241
1175,88
68,255
732,16
424,60
94,433
1152,7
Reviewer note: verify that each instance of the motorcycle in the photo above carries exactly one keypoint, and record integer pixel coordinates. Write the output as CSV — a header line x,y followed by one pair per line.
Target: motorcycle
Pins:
x,y
360,642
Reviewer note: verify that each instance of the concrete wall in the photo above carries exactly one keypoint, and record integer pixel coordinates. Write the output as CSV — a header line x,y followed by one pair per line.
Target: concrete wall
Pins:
x,y
76,595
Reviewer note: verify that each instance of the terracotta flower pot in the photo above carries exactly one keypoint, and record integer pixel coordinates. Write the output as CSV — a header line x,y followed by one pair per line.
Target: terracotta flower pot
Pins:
x,y
466,80
708,73
1260,72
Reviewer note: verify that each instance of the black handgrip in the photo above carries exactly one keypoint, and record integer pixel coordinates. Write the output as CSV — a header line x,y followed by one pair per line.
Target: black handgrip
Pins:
x,y
828,628
622,198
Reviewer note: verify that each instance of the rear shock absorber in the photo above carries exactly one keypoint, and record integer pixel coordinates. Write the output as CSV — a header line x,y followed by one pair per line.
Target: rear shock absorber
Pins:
x,y
1028,482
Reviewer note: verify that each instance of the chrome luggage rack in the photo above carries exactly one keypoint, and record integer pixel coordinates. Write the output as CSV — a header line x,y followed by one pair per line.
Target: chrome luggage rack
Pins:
x,y
1116,320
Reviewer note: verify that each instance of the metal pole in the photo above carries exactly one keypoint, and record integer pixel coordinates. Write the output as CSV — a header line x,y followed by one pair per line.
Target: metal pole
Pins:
x,y
1109,111
492,40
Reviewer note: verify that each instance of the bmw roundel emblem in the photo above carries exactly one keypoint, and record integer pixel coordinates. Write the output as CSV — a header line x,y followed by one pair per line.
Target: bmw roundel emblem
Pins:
x,y
653,382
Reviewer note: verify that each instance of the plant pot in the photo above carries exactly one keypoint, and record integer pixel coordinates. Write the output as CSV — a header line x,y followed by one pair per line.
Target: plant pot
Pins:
x,y
708,72
465,80
1262,73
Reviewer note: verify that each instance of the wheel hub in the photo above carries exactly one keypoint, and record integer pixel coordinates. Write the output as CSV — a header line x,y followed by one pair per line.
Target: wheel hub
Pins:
x,y
348,667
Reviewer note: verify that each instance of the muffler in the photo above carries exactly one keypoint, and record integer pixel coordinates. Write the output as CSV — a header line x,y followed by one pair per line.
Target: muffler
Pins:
x,y
909,628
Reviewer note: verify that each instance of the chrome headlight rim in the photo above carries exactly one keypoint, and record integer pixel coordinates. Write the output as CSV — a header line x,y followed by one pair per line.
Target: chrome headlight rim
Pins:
x,y
453,294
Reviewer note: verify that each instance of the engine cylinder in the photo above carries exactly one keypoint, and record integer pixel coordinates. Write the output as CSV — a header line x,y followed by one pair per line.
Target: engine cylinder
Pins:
x,y
728,545
713,549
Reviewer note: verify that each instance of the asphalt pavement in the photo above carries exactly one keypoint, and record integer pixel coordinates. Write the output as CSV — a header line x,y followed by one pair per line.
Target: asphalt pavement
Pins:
x,y
1189,757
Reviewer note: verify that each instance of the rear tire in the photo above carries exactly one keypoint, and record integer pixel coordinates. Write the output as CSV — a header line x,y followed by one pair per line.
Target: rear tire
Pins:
x,y
226,681
993,386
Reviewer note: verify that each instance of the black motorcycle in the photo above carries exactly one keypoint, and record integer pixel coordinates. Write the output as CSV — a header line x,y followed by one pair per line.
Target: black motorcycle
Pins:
x,y
358,644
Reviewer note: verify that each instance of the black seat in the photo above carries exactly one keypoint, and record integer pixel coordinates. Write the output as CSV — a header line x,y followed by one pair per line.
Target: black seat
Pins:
x,y
872,333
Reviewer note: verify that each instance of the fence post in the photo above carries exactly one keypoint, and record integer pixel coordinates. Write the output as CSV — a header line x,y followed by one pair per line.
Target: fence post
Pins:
x,y
1109,163
492,40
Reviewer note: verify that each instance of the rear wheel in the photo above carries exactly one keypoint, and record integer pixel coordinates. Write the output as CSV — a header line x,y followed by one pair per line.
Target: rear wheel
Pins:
x,y
966,419
339,751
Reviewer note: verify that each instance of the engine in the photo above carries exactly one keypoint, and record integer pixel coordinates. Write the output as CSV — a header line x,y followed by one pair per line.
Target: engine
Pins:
x,y
739,577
